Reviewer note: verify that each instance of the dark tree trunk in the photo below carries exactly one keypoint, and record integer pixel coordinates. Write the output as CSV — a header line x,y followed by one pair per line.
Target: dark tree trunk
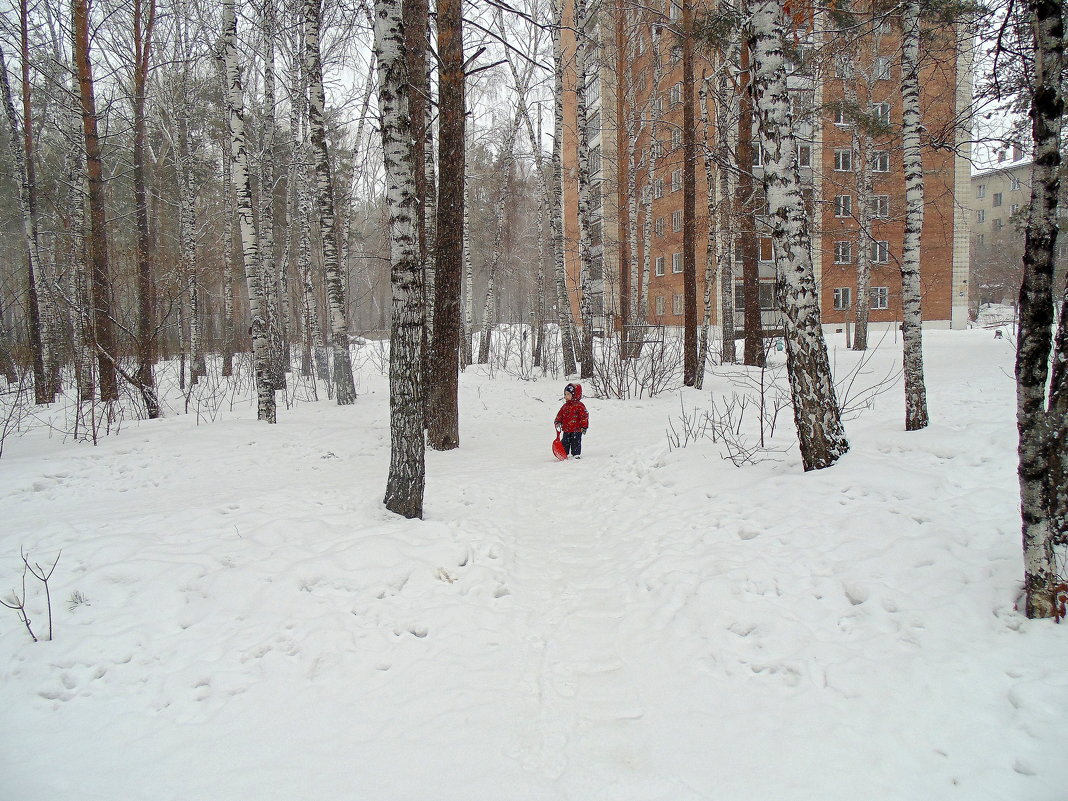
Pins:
x,y
98,246
444,424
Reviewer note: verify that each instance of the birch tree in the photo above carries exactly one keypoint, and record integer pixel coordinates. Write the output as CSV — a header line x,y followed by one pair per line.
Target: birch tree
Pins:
x,y
816,413
1042,397
17,142
239,165
407,469
912,322
324,183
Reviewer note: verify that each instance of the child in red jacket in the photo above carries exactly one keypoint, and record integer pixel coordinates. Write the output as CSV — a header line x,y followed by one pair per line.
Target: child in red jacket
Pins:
x,y
573,420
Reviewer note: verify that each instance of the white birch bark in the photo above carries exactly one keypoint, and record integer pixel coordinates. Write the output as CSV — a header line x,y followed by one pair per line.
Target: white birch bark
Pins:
x,y
563,300
1041,418
239,165
407,470
187,223
467,356
268,262
344,385
819,426
727,111
583,47
912,325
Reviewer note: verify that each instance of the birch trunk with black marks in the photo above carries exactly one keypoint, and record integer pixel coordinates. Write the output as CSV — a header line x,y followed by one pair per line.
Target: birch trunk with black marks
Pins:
x,y
863,152
239,165
563,300
344,385
1041,418
451,341
17,141
268,262
228,343
656,101
467,353
912,324
726,120
584,50
816,413
711,257
188,266
407,469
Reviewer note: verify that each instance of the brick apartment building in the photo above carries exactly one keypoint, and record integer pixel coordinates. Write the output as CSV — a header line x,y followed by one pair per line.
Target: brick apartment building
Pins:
x,y
826,81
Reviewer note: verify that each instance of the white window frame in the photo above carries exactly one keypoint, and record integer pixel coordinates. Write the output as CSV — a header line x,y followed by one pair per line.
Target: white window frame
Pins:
x,y
881,68
676,304
676,220
659,265
880,297
880,207
843,252
1014,183
880,252
676,138
843,160
880,161
843,298
676,180
658,226
843,205
676,263
658,304
676,94
980,216
881,112
997,199
804,155
980,191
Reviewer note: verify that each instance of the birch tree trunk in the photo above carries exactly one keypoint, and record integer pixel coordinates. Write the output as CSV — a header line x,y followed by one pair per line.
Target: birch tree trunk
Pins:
x,y
38,336
187,222
443,430
819,426
335,292
726,120
1042,421
863,152
582,58
268,262
407,469
469,281
563,300
228,343
912,324
711,242
243,195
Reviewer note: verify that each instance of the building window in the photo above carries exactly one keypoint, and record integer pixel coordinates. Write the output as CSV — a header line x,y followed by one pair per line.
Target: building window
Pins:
x,y
843,297
767,252
880,297
996,200
980,216
593,125
676,94
880,207
843,160
676,138
980,239
676,262
659,305
980,191
843,206
840,115
769,300
676,304
880,161
658,226
881,68
997,224
843,252
595,197
759,156
676,180
881,112
880,252
595,161
1014,208
676,221
1014,183
674,9
843,67
804,155
659,265
658,188
676,54
595,234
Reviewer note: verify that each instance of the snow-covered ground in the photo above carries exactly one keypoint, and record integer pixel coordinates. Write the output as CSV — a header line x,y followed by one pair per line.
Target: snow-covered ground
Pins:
x,y
237,618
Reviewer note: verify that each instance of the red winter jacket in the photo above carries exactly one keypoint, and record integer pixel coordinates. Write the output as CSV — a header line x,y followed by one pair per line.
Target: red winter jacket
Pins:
x,y
573,415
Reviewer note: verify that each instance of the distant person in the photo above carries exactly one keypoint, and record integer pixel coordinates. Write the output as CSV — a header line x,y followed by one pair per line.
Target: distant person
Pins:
x,y
572,420
997,334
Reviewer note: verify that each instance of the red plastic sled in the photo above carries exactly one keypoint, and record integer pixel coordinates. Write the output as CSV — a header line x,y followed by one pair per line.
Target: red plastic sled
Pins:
x,y
558,448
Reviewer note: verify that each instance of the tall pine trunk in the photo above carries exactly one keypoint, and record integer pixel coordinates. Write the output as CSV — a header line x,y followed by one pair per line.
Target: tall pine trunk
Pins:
x,y
819,425
690,364
103,326
407,468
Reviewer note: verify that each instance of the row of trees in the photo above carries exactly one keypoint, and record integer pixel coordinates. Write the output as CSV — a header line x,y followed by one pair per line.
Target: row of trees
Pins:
x,y
212,163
